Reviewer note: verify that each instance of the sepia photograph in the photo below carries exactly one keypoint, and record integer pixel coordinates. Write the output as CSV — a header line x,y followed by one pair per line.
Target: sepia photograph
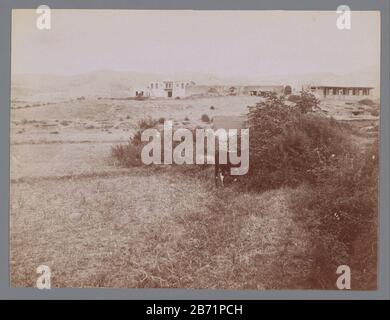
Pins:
x,y
194,149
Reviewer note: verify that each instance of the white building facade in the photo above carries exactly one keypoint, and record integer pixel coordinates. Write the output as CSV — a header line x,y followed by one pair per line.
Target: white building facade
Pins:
x,y
168,88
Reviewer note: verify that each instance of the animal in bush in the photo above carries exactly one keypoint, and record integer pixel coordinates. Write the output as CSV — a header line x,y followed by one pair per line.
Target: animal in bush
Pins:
x,y
223,170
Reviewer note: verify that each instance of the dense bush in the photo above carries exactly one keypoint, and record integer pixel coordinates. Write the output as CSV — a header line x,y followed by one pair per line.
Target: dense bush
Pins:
x,y
337,184
205,118
287,90
127,155
289,145
293,98
341,215
366,102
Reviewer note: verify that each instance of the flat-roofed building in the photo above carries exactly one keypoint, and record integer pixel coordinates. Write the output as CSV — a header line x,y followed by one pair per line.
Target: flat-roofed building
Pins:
x,y
169,88
341,92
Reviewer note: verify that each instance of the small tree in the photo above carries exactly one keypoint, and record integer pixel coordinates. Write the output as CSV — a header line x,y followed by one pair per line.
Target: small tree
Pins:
x,y
205,118
307,102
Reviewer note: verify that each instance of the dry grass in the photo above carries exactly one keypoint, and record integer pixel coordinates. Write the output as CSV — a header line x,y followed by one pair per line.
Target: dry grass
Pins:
x,y
98,225
126,232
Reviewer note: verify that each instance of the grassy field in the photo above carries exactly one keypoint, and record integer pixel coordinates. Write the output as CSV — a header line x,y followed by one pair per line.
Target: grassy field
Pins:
x,y
99,225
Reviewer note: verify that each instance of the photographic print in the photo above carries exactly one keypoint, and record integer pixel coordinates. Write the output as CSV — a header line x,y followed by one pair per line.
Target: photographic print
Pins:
x,y
194,149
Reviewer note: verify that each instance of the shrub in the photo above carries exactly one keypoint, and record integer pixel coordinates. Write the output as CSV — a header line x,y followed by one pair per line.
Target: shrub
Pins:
x,y
336,193
212,90
212,108
374,112
288,145
366,102
341,215
307,102
147,123
128,155
161,120
293,98
205,118
287,90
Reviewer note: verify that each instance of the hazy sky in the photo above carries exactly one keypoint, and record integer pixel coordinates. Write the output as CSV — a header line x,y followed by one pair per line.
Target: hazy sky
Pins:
x,y
218,42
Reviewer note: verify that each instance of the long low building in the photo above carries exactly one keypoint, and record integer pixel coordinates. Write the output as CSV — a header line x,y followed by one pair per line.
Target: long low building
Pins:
x,y
341,92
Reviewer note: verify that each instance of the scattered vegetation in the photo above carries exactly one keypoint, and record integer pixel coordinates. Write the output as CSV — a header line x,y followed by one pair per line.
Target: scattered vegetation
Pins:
x,y
205,118
127,155
374,112
65,122
147,123
367,102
